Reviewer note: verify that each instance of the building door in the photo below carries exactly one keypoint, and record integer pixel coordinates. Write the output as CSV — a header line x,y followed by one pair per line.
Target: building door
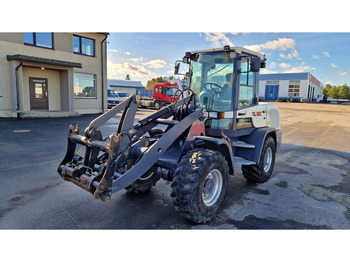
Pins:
x,y
38,93
271,92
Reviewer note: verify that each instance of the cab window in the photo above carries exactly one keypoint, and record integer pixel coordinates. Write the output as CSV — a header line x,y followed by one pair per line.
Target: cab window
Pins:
x,y
246,88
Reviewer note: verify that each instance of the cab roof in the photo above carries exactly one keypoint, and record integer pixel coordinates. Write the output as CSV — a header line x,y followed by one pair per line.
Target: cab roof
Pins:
x,y
166,84
238,50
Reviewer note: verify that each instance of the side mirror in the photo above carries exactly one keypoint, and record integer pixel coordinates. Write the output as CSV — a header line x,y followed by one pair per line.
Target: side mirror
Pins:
x,y
255,64
177,67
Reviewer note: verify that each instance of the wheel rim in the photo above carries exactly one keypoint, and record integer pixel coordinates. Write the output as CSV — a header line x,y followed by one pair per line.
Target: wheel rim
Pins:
x,y
267,159
212,187
146,176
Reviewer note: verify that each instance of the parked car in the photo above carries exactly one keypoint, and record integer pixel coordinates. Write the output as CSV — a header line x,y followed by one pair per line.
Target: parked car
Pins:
x,y
89,91
282,99
114,98
294,99
122,95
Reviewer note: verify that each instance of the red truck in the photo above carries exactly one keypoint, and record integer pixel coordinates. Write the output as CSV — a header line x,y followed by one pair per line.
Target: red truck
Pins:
x,y
163,94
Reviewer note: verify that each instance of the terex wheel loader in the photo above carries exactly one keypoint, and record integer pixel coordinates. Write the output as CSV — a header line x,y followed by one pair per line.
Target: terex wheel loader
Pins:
x,y
220,122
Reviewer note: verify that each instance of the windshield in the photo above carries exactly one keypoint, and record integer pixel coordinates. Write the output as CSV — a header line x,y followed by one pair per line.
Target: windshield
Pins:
x,y
171,91
111,93
211,80
123,94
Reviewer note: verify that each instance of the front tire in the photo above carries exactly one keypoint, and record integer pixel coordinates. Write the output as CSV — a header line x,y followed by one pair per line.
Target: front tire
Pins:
x,y
261,172
200,184
157,105
148,180
144,183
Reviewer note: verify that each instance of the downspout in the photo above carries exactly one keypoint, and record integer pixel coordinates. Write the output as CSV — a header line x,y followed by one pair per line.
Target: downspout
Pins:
x,y
17,88
102,73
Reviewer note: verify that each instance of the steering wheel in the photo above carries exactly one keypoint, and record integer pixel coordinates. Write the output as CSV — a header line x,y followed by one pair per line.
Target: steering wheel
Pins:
x,y
211,87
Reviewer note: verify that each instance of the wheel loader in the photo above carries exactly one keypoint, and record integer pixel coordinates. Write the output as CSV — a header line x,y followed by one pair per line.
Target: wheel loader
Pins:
x,y
193,142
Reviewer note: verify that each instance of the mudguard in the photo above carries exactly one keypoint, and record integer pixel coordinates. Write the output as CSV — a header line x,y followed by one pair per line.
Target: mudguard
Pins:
x,y
257,138
218,144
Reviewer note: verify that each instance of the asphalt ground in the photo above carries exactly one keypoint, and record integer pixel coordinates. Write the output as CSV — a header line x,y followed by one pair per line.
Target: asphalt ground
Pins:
x,y
309,188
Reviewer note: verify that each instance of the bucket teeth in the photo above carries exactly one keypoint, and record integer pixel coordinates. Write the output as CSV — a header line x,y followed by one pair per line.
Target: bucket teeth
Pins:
x,y
72,130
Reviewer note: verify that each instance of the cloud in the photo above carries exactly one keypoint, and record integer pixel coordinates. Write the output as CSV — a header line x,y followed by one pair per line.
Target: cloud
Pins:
x,y
343,73
121,70
156,64
267,71
256,48
218,39
136,59
280,44
300,68
285,65
334,65
318,57
127,53
113,50
272,65
294,54
171,72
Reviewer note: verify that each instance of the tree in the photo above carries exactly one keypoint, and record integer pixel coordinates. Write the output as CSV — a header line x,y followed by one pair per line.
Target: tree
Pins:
x,y
344,92
334,92
127,77
337,92
159,79
327,90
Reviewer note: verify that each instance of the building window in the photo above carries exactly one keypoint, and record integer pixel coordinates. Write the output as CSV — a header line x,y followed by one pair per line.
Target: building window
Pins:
x,y
294,88
83,45
272,83
84,85
39,39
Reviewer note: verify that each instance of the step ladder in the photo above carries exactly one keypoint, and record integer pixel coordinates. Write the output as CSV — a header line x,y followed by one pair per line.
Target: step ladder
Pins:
x,y
240,160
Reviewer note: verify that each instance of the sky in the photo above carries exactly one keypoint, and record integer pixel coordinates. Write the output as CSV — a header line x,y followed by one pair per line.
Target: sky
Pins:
x,y
147,55
145,42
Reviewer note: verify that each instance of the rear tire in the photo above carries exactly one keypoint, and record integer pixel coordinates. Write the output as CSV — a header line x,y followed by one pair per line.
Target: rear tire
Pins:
x,y
261,172
200,184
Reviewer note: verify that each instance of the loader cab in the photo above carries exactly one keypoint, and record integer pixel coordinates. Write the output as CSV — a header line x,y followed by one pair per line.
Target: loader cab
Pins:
x,y
224,81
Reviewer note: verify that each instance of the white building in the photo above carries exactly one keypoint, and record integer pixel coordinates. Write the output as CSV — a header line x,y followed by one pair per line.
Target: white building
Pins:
x,y
52,74
290,85
128,86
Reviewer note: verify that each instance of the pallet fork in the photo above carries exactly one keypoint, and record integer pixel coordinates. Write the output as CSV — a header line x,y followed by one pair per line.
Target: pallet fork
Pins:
x,y
109,167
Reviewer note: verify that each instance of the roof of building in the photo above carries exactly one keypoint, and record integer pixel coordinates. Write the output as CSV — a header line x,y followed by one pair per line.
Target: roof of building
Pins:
x,y
125,83
291,76
41,60
285,76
